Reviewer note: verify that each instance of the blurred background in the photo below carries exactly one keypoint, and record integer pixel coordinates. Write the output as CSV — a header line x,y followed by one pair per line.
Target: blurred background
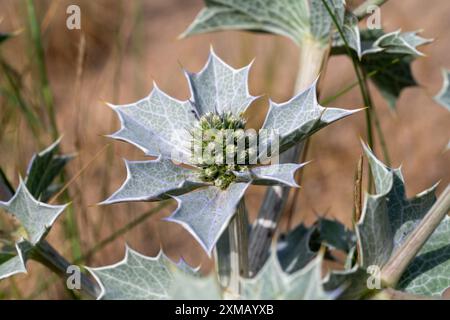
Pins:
x,y
122,47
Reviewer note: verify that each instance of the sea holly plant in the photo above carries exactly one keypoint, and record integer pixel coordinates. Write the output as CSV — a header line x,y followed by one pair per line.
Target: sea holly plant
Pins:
x,y
138,277
387,59
309,24
33,218
208,135
391,244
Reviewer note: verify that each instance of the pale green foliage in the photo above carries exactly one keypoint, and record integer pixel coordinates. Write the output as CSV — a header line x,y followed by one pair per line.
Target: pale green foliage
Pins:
x,y
443,97
283,173
206,212
300,117
295,19
273,283
160,124
387,220
15,263
191,287
138,277
34,216
429,272
387,58
154,180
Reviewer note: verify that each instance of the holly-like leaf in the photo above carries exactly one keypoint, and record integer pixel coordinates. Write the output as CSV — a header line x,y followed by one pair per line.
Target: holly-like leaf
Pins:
x,y
387,58
388,218
299,118
402,213
398,42
284,17
206,212
158,125
34,216
429,272
276,174
44,167
190,287
154,180
138,277
14,262
272,282
443,97
219,88
351,33
293,249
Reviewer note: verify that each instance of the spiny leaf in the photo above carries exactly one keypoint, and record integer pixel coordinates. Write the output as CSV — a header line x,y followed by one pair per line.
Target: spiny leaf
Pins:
x,y
44,167
137,277
154,180
190,287
403,214
157,125
351,33
276,174
206,212
387,220
300,117
379,51
36,217
399,43
443,97
273,283
320,20
16,262
219,88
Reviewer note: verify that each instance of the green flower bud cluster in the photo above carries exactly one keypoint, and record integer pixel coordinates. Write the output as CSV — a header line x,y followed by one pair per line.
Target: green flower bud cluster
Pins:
x,y
216,140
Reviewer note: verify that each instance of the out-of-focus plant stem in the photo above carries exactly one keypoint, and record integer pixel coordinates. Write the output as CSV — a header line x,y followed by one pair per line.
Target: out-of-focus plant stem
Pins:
x,y
313,57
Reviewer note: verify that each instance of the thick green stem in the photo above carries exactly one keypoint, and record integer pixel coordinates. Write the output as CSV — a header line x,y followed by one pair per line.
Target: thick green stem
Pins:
x,y
396,266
